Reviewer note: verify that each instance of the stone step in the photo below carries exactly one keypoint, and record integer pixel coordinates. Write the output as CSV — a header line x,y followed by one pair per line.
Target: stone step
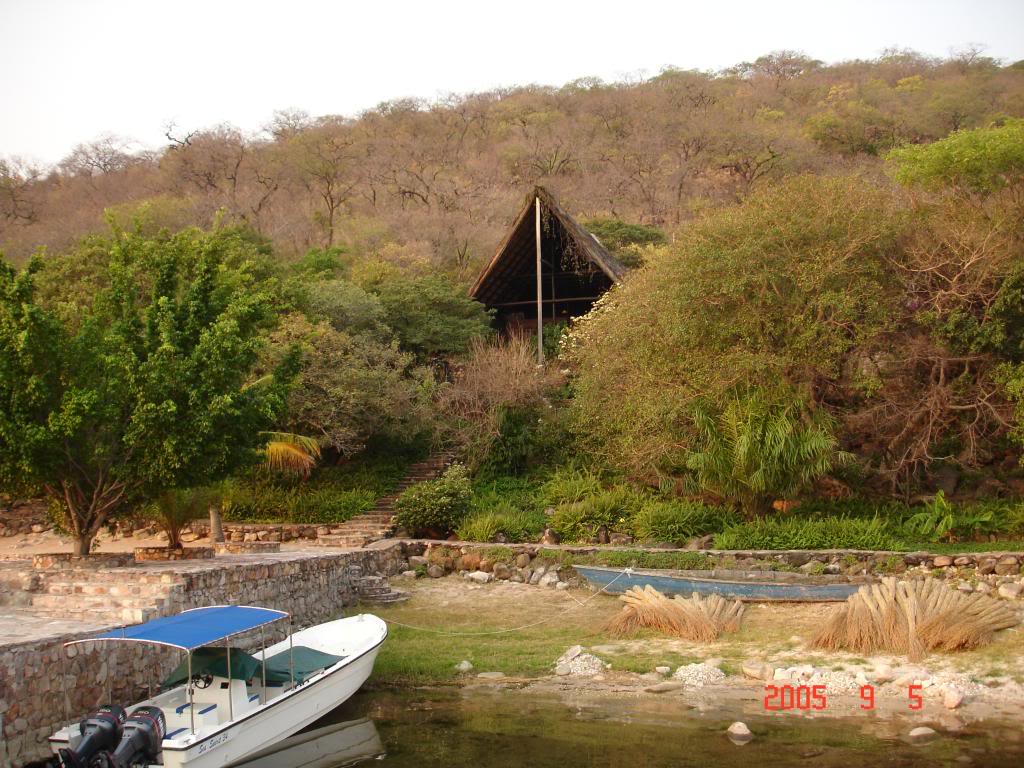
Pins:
x,y
392,596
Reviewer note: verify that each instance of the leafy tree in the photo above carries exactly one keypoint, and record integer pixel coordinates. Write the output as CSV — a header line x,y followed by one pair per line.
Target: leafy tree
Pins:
x,y
431,315
981,161
145,387
760,446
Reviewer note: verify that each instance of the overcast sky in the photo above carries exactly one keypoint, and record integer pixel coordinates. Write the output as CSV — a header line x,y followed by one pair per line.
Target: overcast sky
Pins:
x,y
75,69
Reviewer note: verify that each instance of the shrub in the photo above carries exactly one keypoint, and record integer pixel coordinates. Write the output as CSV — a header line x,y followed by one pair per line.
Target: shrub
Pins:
x,y
514,524
254,502
176,508
761,445
436,506
568,485
677,521
613,509
797,533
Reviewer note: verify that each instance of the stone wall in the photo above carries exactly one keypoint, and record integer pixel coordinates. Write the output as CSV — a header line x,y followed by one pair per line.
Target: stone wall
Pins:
x,y
313,588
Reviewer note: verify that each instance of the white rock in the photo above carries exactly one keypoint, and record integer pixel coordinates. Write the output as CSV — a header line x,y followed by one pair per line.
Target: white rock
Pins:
x,y
922,733
739,732
952,697
562,670
663,670
781,674
548,580
491,675
883,674
480,577
1010,591
570,654
757,670
699,675
464,666
562,585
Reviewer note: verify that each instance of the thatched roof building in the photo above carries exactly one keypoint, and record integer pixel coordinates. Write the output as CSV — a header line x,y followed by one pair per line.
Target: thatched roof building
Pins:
x,y
574,268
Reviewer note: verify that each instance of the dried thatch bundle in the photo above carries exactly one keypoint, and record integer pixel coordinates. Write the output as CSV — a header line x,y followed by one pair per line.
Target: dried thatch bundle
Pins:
x,y
913,618
694,618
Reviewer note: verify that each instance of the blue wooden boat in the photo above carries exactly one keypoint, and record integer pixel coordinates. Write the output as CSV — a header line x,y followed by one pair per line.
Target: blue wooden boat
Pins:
x,y
777,588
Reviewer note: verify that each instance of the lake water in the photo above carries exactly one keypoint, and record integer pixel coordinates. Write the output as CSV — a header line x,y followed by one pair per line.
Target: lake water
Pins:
x,y
508,728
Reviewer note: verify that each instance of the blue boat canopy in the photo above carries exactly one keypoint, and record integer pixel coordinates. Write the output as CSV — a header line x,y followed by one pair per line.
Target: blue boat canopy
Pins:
x,y
194,628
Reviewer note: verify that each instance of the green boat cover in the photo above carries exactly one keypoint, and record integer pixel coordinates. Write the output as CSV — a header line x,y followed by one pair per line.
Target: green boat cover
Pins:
x,y
308,661
214,661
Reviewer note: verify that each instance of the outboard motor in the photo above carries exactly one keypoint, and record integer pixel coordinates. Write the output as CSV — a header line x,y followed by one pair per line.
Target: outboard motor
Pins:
x,y
143,734
101,732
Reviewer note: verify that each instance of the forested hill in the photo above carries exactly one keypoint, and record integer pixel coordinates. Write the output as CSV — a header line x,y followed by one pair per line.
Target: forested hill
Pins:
x,y
432,185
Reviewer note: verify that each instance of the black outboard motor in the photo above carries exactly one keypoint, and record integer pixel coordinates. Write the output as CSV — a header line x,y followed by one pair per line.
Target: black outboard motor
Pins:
x,y
101,732
143,735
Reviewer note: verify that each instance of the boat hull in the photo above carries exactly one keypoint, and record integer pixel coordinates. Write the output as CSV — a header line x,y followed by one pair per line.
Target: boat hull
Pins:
x,y
615,581
280,719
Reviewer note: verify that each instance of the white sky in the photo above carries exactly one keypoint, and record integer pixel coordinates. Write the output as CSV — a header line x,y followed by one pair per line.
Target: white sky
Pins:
x,y
71,70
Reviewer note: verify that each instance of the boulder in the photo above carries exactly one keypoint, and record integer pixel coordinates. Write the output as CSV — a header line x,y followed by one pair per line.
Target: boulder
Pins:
x,y
501,571
987,566
471,561
464,666
663,670
922,733
480,577
1006,566
486,565
757,670
1010,590
561,585
435,571
952,697
549,579
738,732
942,561
522,560
418,561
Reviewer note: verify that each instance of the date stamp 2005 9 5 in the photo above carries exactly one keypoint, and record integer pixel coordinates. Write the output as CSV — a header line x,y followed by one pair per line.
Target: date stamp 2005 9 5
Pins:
x,y
780,698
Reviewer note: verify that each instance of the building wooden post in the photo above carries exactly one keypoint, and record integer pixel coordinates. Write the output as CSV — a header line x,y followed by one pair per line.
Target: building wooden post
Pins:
x,y
540,292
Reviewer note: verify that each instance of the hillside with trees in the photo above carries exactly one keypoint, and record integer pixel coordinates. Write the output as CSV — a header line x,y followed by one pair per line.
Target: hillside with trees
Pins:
x,y
825,311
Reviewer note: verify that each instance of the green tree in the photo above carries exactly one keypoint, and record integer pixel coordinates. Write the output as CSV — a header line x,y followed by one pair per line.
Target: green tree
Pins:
x,y
145,386
431,315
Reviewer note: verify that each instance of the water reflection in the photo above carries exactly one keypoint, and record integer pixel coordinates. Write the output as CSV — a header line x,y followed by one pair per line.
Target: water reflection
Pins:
x,y
324,744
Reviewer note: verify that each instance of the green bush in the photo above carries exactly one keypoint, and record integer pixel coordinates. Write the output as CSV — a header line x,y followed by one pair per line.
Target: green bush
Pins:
x,y
677,521
514,524
436,506
247,502
799,533
613,508
568,485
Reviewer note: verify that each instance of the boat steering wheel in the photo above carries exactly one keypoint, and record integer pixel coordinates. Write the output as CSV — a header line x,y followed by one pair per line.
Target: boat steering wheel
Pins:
x,y
202,681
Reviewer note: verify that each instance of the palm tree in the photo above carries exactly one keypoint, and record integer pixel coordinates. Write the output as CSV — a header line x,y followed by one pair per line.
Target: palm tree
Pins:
x,y
176,508
290,453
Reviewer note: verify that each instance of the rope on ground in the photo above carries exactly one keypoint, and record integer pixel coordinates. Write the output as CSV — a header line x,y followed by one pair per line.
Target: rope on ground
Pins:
x,y
579,603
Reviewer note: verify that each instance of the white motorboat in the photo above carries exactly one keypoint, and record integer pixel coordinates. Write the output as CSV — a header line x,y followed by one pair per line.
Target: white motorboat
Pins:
x,y
223,705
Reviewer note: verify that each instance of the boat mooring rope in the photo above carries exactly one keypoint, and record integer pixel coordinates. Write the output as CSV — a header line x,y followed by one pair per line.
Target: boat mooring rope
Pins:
x,y
579,604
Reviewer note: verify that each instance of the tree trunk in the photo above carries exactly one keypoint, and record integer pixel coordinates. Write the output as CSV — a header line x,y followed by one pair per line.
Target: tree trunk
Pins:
x,y
82,545
216,524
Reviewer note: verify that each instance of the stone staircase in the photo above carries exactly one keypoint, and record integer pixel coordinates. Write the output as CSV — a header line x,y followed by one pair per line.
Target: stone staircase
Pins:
x,y
377,523
374,589
95,598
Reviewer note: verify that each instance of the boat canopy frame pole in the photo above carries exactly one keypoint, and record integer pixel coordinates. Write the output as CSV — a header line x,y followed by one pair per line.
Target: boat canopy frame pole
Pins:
x,y
263,665
291,651
231,695
191,703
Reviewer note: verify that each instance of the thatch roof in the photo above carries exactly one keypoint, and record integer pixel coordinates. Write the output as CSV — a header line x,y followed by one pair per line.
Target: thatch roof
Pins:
x,y
516,256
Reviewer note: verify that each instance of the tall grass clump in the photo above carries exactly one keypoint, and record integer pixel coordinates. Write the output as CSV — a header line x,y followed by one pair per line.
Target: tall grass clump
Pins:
x,y
678,521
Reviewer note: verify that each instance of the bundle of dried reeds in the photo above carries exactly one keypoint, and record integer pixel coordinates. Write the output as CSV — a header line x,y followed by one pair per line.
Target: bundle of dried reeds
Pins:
x,y
913,618
695,618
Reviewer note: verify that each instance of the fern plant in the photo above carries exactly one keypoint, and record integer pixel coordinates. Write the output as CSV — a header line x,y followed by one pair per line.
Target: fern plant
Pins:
x,y
761,445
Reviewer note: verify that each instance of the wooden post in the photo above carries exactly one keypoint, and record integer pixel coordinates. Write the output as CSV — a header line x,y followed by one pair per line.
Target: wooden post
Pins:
x,y
540,293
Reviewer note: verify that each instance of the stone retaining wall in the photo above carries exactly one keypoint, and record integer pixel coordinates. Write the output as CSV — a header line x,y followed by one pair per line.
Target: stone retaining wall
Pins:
x,y
313,588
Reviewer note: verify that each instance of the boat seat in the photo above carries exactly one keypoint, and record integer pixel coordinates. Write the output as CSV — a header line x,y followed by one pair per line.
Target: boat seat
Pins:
x,y
175,733
206,713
